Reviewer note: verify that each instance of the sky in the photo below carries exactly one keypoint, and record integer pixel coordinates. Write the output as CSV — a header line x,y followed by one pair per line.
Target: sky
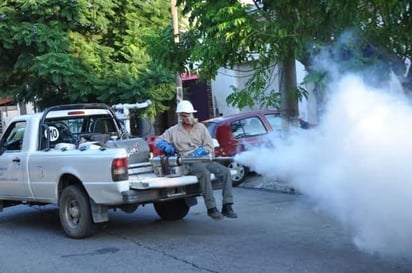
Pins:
x,y
356,165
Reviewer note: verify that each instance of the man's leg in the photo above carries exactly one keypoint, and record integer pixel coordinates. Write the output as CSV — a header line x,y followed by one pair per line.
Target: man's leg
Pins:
x,y
203,176
223,174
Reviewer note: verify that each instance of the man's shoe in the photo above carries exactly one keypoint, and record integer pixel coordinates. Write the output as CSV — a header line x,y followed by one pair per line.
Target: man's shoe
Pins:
x,y
214,214
228,211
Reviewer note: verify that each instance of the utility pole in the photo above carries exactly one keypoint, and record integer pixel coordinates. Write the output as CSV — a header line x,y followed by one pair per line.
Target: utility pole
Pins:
x,y
175,25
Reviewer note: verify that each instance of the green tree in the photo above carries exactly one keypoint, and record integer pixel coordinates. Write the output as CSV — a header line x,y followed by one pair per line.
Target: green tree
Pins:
x,y
64,51
224,33
386,26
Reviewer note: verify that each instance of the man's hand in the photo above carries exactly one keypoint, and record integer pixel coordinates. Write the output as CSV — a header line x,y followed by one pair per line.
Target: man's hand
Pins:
x,y
167,148
199,152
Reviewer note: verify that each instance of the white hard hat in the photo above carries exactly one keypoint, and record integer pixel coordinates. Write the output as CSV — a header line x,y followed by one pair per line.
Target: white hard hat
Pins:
x,y
185,106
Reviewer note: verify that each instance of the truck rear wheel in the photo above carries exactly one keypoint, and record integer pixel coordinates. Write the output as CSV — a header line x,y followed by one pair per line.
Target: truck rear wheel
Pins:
x,y
75,214
172,210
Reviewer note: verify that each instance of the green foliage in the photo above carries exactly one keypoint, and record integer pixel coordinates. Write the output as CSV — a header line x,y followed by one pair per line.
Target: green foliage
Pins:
x,y
251,95
64,51
224,33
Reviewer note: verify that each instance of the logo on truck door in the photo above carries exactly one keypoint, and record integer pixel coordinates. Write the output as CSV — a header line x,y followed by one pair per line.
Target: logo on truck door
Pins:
x,y
54,133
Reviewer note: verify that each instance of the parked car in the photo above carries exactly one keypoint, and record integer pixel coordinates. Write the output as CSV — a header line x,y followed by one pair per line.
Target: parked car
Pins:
x,y
238,132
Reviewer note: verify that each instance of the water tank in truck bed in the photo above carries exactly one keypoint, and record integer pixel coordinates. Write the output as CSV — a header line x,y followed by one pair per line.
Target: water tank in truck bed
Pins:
x,y
137,148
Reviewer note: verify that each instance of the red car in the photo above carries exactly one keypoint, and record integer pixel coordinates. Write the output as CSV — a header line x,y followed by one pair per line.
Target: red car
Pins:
x,y
235,133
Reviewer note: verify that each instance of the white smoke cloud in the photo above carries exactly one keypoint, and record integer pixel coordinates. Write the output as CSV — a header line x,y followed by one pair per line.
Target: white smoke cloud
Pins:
x,y
356,165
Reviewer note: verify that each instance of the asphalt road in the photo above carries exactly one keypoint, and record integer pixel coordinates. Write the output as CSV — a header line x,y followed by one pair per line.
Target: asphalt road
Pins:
x,y
275,232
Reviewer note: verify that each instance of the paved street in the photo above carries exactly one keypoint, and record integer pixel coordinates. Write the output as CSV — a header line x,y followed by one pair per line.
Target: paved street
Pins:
x,y
275,232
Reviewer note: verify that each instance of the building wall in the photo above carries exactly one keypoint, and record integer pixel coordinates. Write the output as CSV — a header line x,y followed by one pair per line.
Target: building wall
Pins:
x,y
221,89
198,92
238,77
7,112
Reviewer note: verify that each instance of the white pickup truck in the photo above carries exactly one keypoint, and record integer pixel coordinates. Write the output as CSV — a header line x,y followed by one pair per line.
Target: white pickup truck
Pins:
x,y
78,157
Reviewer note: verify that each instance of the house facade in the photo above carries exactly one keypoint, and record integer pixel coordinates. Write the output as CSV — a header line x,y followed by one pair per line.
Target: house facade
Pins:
x,y
8,110
221,88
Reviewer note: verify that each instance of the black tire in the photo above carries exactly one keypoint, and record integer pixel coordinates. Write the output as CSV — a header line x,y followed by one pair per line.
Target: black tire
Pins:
x,y
75,213
241,172
172,210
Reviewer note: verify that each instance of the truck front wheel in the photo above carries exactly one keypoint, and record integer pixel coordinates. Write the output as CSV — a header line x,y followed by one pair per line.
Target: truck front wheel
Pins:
x,y
75,214
172,210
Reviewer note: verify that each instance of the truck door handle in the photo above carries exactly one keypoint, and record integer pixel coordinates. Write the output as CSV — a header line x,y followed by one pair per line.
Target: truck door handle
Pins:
x,y
16,160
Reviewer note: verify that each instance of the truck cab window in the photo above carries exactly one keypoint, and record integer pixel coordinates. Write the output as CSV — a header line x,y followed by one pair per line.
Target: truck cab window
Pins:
x,y
13,138
103,126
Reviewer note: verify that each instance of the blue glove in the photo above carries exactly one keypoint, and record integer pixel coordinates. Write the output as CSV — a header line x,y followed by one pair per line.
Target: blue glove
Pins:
x,y
165,147
199,152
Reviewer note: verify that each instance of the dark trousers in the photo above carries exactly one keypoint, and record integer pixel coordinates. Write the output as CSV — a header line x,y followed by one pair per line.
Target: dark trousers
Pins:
x,y
203,171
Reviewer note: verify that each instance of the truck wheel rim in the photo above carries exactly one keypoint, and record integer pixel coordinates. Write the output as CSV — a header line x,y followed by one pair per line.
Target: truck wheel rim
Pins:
x,y
73,212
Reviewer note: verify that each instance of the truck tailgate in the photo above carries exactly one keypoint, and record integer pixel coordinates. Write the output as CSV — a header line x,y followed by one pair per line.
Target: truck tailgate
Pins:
x,y
151,181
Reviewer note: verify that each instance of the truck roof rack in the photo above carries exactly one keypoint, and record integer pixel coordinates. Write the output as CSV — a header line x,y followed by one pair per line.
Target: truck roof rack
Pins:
x,y
77,106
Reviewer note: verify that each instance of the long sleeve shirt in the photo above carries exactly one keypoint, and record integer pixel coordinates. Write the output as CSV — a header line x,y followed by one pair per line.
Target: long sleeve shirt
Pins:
x,y
184,141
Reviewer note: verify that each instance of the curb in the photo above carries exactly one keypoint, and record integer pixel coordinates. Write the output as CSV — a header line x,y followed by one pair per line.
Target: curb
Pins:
x,y
255,181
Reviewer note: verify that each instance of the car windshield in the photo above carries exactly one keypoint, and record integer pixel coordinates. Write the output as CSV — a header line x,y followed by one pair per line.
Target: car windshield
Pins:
x,y
211,127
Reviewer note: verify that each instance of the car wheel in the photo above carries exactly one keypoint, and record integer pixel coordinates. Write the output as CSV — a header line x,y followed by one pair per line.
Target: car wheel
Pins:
x,y
172,210
75,214
241,172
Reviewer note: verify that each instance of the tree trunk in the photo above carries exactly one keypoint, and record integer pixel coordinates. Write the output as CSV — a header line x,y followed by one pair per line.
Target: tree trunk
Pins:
x,y
288,96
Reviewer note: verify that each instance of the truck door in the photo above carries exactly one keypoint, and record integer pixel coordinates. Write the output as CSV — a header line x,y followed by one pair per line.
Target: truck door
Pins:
x,y
13,178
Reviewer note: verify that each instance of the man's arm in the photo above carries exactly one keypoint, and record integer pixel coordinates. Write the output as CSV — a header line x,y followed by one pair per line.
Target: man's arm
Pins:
x,y
207,140
164,144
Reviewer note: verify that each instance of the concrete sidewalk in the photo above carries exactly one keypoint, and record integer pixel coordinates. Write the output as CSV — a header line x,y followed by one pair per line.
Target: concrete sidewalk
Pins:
x,y
255,181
